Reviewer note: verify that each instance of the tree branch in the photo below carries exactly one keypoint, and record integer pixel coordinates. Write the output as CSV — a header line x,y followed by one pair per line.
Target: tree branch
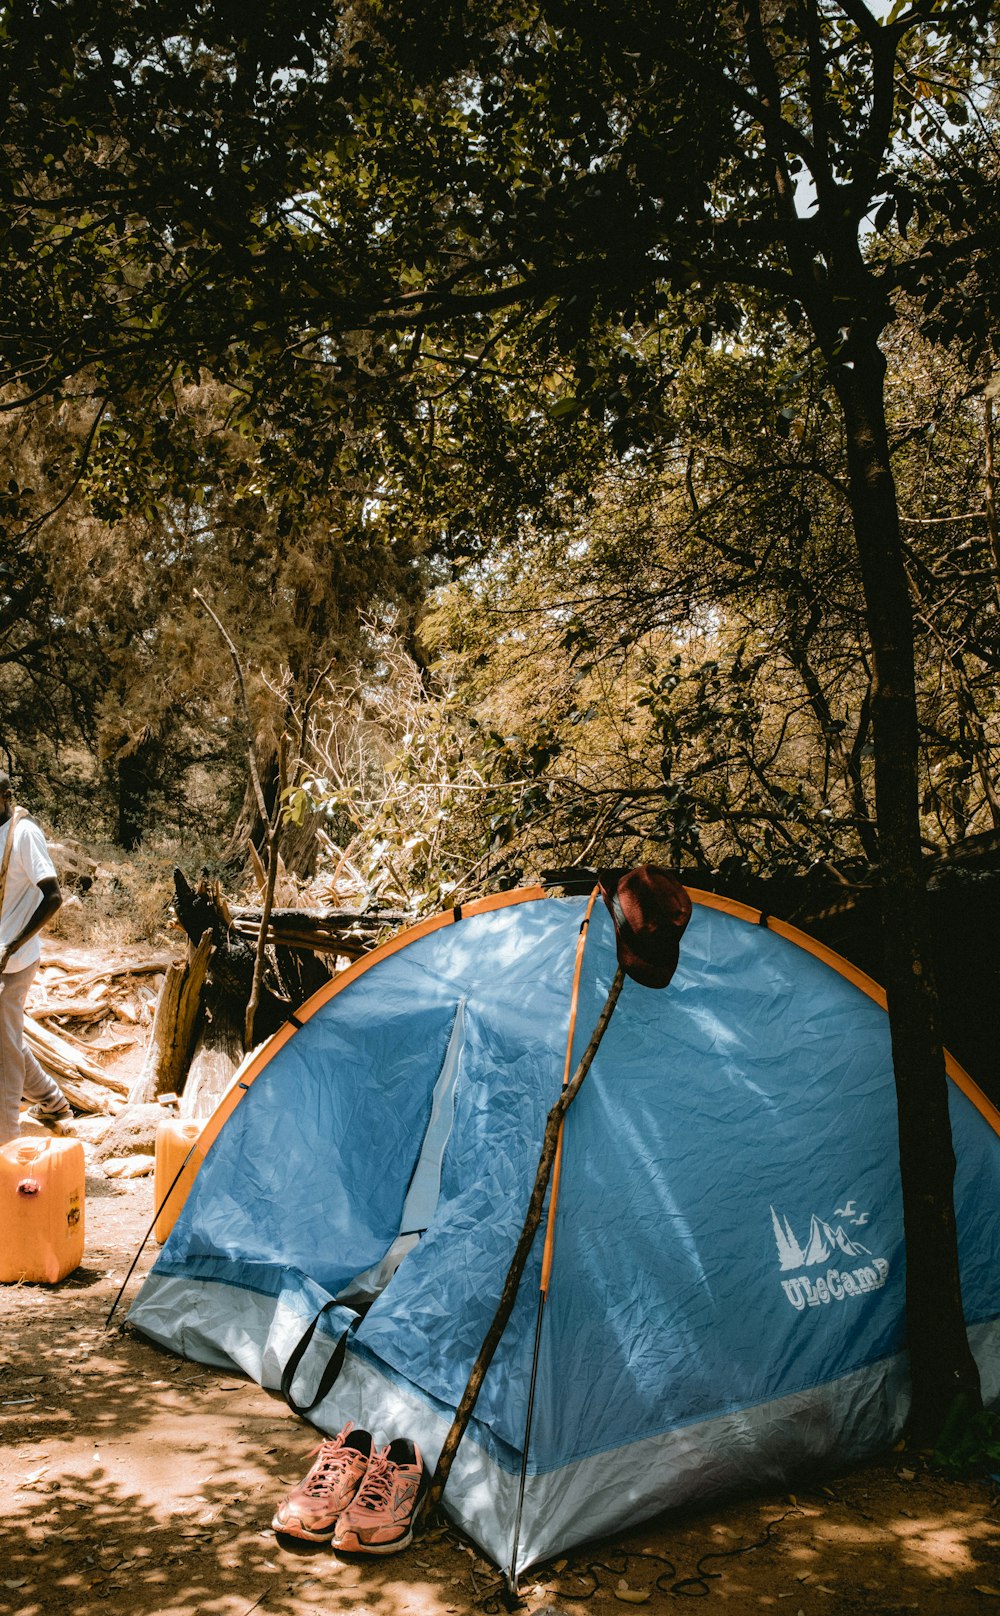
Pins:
x,y
244,701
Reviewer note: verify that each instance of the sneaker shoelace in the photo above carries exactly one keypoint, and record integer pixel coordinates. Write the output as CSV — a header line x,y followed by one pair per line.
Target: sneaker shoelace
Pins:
x,y
376,1489
333,1459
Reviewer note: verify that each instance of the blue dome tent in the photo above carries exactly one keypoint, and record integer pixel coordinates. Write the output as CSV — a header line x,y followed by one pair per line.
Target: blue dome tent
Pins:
x,y
727,1292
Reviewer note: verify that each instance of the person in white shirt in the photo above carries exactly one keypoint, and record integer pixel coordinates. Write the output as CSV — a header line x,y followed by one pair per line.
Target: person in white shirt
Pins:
x,y
29,896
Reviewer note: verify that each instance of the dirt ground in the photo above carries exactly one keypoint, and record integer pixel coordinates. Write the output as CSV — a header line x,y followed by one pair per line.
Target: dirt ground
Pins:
x,y
133,1482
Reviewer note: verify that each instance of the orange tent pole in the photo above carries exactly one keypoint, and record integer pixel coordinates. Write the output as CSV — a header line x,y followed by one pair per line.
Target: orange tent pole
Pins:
x,y
550,1227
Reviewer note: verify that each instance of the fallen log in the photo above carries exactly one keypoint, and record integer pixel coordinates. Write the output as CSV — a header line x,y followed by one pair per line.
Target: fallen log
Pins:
x,y
59,962
150,967
64,1062
350,932
85,1086
90,1046
71,1037
85,1096
75,1009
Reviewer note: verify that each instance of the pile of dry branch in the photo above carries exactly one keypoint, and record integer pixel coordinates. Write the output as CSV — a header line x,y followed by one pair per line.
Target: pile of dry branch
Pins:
x,y
78,1017
187,1012
198,1034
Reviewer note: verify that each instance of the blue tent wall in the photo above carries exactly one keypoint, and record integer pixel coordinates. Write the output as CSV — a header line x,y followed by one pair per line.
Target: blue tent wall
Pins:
x,y
727,1298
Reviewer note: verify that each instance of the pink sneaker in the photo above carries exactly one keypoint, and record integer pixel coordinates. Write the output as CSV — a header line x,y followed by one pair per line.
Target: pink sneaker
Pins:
x,y
385,1509
311,1509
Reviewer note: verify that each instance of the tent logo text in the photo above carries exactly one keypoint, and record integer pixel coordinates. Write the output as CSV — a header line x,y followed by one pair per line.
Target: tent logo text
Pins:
x,y
825,1243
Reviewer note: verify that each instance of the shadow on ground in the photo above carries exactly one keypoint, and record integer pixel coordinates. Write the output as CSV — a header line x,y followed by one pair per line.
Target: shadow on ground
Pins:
x,y
135,1482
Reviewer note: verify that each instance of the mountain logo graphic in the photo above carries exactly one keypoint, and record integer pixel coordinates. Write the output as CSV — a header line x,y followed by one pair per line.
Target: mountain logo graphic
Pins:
x,y
824,1240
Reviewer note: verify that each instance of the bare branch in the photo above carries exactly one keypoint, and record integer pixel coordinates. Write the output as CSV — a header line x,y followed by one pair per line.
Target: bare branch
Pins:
x,y
242,686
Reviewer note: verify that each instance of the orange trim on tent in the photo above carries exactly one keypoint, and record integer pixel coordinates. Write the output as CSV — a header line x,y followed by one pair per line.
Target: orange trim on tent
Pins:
x,y
550,1227
502,900
252,1069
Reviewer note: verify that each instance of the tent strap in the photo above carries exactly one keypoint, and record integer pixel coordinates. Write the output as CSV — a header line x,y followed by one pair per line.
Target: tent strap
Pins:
x,y
330,1372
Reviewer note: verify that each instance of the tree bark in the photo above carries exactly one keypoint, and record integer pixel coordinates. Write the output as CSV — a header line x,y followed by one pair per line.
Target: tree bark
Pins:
x,y
941,1362
175,1026
300,846
351,932
216,1057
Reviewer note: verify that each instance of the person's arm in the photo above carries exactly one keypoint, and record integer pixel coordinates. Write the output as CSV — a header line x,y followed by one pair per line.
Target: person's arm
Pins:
x,y
48,903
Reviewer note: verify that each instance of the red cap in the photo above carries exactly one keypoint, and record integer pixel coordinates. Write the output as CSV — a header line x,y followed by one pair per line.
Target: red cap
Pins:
x,y
650,909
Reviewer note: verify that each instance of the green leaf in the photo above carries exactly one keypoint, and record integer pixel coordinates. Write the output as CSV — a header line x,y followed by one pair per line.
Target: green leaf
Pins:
x,y
883,217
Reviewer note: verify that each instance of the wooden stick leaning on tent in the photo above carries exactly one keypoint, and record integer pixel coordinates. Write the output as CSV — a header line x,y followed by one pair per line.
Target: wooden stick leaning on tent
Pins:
x,y
463,1413
650,910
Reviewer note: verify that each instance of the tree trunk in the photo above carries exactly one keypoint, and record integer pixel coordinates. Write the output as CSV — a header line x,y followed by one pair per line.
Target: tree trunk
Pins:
x,y
219,1052
299,843
250,826
941,1362
175,1026
135,780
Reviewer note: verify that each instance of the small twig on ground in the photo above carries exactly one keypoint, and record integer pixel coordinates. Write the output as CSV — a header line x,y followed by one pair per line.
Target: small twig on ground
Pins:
x,y
257,1603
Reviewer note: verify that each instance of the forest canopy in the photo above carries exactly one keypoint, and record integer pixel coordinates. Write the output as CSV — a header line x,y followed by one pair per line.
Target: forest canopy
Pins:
x,y
274,324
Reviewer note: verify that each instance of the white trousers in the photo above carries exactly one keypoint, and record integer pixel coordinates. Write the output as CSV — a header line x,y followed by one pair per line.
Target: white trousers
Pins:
x,y
20,1073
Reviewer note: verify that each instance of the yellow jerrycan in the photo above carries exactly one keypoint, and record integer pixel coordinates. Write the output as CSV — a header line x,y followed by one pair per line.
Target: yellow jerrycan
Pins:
x,y
41,1209
174,1139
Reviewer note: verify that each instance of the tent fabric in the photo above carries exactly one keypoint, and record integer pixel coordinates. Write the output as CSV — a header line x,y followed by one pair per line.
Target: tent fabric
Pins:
x,y
727,1297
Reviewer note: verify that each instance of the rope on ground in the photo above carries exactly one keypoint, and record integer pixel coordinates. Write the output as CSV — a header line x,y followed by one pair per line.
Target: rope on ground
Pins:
x,y
695,1586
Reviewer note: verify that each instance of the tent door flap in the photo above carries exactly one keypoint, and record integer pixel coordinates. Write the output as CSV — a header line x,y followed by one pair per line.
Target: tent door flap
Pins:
x,y
425,1184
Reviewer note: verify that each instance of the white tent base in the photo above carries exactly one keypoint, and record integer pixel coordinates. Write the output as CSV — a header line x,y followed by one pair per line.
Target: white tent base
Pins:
x,y
839,1422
